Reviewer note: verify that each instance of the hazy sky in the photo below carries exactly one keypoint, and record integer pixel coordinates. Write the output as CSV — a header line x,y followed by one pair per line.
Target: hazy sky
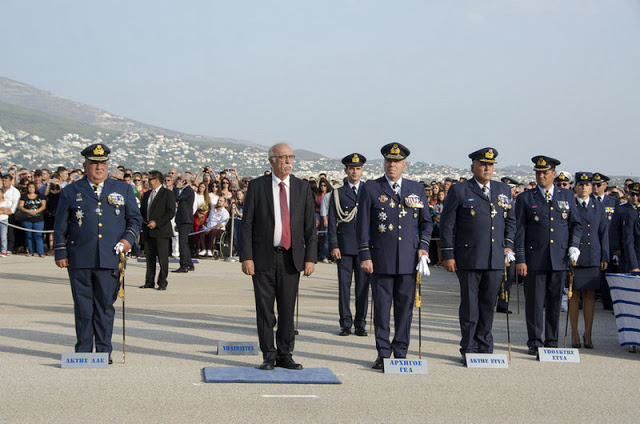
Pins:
x,y
442,77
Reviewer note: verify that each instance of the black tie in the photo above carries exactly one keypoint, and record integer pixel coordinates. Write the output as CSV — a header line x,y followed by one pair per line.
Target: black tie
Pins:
x,y
547,196
584,205
355,192
96,187
396,189
485,190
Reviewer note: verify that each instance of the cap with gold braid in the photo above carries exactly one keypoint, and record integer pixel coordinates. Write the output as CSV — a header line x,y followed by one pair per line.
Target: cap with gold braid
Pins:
x,y
544,163
354,159
600,178
486,155
563,176
395,151
634,188
96,152
583,177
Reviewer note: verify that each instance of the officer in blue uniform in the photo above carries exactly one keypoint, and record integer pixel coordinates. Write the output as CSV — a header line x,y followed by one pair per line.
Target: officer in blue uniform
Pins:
x,y
600,182
616,231
477,229
594,257
502,306
393,229
344,247
548,232
631,231
96,219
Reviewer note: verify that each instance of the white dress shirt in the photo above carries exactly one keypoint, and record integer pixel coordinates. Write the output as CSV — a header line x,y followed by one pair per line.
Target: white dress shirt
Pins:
x,y
275,184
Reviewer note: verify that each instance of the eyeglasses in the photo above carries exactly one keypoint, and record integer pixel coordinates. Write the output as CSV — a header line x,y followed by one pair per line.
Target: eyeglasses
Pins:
x,y
563,185
136,181
168,180
283,157
225,182
597,185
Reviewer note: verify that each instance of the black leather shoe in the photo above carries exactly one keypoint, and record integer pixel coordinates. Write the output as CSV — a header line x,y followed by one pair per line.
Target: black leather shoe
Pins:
x,y
344,331
110,361
288,362
533,350
268,364
360,332
463,360
147,286
161,288
191,268
578,345
181,269
503,311
378,364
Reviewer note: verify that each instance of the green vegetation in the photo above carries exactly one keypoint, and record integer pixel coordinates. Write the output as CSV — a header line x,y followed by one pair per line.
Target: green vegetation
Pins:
x,y
16,118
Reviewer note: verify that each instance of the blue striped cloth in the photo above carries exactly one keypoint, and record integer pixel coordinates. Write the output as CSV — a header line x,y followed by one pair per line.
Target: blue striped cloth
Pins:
x,y
625,293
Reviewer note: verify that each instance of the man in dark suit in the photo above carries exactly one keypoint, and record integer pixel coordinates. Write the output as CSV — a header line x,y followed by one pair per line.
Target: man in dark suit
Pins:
x,y
344,247
158,208
477,228
548,233
279,240
394,229
96,219
185,197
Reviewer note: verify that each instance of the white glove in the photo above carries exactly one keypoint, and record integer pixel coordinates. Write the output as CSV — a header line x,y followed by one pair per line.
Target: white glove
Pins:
x,y
422,267
574,254
509,256
118,248
615,258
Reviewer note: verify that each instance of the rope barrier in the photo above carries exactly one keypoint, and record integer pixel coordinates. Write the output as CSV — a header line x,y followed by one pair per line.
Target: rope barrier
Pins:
x,y
28,229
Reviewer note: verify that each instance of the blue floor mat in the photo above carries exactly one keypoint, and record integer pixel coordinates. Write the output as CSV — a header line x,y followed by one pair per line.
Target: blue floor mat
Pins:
x,y
275,376
171,260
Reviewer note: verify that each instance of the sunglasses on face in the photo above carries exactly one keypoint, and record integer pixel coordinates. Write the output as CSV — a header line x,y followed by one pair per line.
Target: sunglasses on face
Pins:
x,y
597,185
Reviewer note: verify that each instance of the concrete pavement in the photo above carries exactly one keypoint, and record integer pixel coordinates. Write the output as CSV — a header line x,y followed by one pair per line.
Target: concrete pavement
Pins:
x,y
172,335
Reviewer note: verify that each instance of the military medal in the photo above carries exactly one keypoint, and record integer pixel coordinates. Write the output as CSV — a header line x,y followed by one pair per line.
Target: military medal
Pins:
x,y
381,228
536,218
505,214
402,212
79,197
564,215
382,216
392,204
390,227
472,212
79,216
117,211
98,210
493,211
383,198
413,201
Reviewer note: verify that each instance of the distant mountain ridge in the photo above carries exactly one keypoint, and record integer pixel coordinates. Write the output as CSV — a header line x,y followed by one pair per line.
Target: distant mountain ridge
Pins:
x,y
28,96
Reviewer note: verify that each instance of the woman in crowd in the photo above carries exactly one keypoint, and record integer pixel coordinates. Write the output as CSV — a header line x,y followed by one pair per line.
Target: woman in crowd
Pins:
x,y
237,207
53,195
594,254
436,211
224,189
199,222
33,204
324,190
203,200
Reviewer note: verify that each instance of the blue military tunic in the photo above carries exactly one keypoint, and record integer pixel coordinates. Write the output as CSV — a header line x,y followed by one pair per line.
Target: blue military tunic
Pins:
x,y
594,244
475,230
631,239
392,229
86,230
545,232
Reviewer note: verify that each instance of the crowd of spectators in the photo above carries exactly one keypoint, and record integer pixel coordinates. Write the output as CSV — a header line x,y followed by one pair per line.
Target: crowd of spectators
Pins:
x,y
28,199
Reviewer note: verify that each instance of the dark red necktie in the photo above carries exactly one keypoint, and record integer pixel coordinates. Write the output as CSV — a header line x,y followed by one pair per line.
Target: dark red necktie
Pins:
x,y
284,214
